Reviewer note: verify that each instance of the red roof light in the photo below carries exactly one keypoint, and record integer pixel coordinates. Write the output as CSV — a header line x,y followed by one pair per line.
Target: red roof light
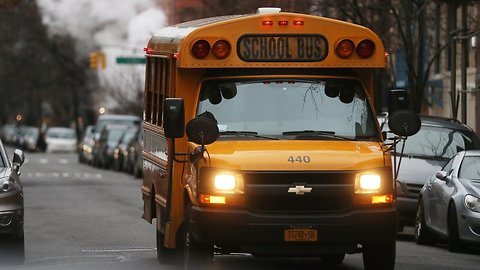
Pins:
x,y
200,49
365,48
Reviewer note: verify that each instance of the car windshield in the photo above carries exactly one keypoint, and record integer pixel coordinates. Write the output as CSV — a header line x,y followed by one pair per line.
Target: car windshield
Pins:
x,y
437,142
289,108
470,168
114,136
61,134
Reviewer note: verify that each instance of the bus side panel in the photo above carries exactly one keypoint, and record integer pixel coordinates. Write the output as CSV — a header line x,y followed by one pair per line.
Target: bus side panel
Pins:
x,y
155,181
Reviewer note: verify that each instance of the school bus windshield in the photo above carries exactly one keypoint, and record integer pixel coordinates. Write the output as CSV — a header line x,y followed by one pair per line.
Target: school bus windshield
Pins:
x,y
290,108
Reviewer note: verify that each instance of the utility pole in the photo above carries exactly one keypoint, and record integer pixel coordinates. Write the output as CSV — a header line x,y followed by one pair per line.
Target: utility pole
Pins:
x,y
452,8
464,59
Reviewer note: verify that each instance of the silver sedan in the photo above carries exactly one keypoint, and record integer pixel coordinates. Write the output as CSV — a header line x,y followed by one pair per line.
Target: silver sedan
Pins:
x,y
449,204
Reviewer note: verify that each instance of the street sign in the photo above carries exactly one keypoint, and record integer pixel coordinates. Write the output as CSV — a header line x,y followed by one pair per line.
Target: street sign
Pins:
x,y
131,60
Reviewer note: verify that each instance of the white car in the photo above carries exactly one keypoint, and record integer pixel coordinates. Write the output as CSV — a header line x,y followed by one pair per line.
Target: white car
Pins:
x,y
61,139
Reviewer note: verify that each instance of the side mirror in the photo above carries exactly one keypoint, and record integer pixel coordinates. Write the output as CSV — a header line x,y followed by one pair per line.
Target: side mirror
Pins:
x,y
202,130
441,175
404,123
174,118
18,158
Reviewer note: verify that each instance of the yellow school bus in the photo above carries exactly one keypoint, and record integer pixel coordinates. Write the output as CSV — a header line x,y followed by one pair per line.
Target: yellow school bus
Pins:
x,y
260,137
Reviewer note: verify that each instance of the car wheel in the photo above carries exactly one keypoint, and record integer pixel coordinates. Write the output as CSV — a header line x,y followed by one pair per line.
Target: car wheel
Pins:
x,y
333,259
422,235
379,256
454,243
164,255
12,250
196,255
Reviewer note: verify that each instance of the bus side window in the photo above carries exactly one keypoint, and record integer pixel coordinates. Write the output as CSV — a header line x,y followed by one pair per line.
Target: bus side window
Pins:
x,y
149,88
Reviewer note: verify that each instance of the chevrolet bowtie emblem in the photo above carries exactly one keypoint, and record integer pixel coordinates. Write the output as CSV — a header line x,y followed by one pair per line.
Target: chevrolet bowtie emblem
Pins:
x,y
299,190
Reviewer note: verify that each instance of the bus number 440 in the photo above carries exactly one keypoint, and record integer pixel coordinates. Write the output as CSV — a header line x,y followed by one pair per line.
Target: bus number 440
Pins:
x,y
299,159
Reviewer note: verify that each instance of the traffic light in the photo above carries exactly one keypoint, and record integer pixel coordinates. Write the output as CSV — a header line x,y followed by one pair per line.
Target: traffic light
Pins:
x,y
97,58
103,60
93,60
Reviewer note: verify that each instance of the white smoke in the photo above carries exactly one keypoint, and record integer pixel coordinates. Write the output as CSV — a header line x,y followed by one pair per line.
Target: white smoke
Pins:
x,y
118,28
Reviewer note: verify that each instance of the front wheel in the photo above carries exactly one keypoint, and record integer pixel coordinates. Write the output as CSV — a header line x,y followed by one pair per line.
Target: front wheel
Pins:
x,y
454,243
422,235
164,255
196,255
379,256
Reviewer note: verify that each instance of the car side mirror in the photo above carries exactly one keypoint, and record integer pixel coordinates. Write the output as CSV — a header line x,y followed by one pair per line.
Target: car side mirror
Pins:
x,y
18,159
442,175
404,123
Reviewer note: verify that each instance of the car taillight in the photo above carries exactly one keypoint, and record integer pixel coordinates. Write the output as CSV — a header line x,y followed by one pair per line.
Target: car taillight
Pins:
x,y
200,49
345,48
365,48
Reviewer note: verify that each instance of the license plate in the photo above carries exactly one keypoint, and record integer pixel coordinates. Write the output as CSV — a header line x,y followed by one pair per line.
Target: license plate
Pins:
x,y
300,235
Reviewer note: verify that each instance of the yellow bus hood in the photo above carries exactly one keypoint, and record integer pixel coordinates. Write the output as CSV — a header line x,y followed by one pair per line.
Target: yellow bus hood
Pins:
x,y
295,155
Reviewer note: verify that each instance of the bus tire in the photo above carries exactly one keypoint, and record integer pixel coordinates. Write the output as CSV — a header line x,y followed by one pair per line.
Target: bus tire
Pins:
x,y
423,236
196,255
379,256
164,255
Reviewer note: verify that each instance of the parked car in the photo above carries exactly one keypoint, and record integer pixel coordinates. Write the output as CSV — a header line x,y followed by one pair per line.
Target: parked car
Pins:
x,y
135,158
120,152
61,139
86,145
105,145
424,153
11,206
449,203
114,119
30,138
110,119
8,133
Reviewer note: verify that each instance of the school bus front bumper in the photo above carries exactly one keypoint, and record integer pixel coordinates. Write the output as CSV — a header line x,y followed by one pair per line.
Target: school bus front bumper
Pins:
x,y
293,234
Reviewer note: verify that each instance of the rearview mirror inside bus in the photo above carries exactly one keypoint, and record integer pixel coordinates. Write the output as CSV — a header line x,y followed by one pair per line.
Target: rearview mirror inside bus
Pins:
x,y
174,118
404,123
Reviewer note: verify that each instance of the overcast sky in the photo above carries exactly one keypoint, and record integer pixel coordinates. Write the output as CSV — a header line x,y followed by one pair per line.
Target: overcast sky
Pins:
x,y
119,28
104,22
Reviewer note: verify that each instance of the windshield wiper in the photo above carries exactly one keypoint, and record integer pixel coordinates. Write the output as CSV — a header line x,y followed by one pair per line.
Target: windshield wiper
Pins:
x,y
328,134
246,133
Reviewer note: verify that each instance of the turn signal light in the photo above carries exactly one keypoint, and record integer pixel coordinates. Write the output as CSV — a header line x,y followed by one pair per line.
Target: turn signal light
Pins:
x,y
200,49
345,48
221,49
367,199
210,199
365,48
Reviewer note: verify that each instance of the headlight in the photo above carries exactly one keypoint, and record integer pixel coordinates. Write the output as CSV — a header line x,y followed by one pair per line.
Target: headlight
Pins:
x,y
472,203
221,187
7,185
228,183
368,183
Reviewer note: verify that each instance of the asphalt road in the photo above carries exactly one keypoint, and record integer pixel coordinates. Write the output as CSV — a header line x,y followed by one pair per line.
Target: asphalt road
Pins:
x,y
79,217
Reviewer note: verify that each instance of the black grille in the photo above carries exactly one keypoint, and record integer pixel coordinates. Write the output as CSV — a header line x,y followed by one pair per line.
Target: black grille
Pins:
x,y
414,189
268,192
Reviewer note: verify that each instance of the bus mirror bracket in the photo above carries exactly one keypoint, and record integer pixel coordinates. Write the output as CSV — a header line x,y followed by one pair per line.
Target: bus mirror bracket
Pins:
x,y
174,118
403,123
